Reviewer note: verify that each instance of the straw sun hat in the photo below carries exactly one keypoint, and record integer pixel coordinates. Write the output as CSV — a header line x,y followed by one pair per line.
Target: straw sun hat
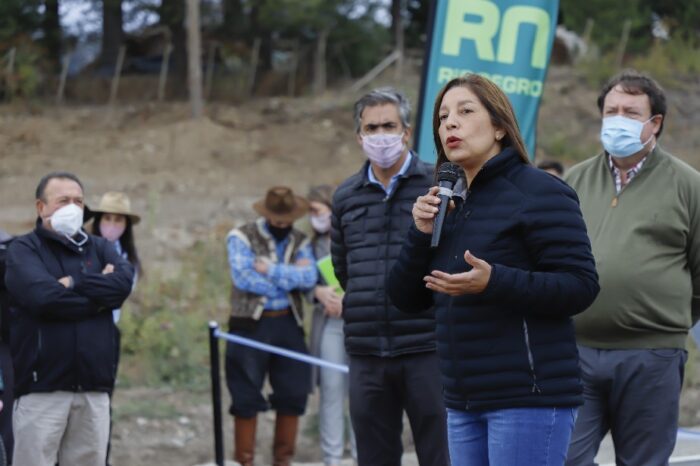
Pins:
x,y
114,202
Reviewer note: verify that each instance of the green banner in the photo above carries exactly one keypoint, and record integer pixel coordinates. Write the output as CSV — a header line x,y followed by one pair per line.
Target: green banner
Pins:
x,y
507,41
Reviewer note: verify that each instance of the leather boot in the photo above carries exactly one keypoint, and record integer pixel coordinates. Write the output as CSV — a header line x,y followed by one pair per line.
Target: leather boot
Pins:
x,y
285,439
244,440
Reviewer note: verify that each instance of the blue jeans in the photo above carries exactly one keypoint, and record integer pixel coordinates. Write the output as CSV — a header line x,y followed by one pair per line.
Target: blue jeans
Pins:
x,y
513,437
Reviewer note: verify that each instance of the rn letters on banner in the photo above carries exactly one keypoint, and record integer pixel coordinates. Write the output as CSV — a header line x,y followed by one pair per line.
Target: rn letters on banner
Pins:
x,y
507,41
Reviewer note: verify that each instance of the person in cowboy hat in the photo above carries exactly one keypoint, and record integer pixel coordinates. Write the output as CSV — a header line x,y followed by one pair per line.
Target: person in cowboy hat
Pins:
x,y
114,221
271,267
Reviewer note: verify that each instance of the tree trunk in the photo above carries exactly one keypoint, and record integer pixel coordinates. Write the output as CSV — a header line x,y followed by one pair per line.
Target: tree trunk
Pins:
x,y
320,62
256,30
179,56
172,15
234,18
194,58
112,32
51,24
395,15
397,28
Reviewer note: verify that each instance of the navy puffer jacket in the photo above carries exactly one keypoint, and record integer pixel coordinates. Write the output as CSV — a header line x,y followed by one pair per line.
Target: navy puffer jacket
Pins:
x,y
369,229
513,344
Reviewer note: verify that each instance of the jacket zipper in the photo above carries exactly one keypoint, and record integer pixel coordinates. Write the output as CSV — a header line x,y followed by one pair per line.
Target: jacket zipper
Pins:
x,y
530,359
387,200
387,216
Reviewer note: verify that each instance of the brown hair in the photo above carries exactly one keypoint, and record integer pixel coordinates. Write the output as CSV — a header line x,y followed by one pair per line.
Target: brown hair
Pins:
x,y
635,83
496,103
322,193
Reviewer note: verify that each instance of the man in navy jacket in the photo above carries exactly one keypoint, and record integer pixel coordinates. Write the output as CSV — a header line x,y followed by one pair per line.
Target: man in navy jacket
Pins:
x,y
63,285
393,363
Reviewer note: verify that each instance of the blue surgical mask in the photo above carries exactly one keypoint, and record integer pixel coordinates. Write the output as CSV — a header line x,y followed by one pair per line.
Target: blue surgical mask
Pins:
x,y
622,136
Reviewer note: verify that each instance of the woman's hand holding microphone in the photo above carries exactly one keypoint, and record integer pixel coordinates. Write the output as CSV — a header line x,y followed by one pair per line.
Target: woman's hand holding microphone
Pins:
x,y
425,209
473,281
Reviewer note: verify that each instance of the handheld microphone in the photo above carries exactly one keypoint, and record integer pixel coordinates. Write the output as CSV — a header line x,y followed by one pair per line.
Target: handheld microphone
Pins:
x,y
447,176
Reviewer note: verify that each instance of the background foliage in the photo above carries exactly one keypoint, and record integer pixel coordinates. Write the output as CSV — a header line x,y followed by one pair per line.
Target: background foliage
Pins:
x,y
358,34
682,17
164,324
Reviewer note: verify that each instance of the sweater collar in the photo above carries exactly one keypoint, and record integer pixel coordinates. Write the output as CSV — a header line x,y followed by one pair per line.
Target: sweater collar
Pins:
x,y
650,161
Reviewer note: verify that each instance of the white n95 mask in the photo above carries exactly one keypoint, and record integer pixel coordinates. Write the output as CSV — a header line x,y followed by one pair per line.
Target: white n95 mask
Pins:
x,y
67,220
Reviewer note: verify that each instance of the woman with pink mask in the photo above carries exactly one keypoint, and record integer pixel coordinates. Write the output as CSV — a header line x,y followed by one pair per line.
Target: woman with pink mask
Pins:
x,y
114,221
327,338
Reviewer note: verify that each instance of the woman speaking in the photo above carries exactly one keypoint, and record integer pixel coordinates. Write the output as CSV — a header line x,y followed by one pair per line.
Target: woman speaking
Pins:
x,y
513,265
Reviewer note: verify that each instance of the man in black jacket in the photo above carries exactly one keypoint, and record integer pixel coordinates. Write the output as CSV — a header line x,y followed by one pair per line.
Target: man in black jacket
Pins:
x,y
393,365
63,285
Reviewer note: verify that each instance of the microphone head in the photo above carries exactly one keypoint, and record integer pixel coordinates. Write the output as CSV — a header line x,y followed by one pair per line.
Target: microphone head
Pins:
x,y
449,172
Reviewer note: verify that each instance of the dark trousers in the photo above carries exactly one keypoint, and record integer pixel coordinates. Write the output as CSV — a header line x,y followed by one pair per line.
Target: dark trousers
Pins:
x,y
8,377
246,369
634,394
380,390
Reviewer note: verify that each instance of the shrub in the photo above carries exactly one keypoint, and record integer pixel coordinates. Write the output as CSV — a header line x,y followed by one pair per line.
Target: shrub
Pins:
x,y
597,71
164,337
27,75
671,63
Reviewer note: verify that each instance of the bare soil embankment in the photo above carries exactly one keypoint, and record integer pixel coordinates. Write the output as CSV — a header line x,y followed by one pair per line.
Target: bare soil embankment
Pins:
x,y
189,178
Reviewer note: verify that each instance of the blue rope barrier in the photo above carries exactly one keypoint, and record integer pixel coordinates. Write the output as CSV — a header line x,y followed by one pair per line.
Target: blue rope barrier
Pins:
x,y
281,351
689,433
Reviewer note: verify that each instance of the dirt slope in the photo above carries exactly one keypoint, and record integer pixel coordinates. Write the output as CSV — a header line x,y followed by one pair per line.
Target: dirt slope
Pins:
x,y
188,178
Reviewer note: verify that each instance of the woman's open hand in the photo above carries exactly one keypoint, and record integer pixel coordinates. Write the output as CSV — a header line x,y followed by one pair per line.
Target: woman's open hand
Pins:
x,y
471,282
